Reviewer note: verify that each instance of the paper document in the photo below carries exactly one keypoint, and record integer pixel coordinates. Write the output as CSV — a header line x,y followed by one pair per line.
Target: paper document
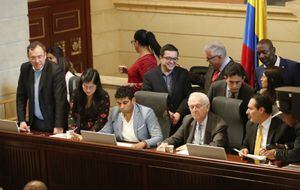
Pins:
x,y
60,135
124,144
252,156
183,152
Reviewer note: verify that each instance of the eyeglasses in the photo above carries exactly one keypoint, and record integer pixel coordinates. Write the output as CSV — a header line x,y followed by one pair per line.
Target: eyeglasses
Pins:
x,y
196,106
171,58
132,41
209,59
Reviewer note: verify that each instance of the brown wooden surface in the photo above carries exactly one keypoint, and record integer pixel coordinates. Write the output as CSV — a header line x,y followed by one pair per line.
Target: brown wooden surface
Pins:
x,y
66,164
66,23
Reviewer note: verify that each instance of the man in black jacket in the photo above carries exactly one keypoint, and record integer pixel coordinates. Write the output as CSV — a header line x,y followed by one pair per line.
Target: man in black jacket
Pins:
x,y
42,84
168,77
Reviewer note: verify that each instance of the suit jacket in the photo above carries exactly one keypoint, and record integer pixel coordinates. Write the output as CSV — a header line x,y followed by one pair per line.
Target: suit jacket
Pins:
x,y
219,88
277,134
145,124
52,94
215,132
290,73
210,74
181,88
293,154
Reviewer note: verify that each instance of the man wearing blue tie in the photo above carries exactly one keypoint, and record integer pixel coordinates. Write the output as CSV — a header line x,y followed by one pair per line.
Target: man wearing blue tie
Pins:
x,y
201,126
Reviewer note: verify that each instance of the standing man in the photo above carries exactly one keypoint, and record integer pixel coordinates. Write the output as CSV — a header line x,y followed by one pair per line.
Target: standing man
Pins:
x,y
218,60
233,86
132,122
201,126
168,77
262,129
42,84
266,53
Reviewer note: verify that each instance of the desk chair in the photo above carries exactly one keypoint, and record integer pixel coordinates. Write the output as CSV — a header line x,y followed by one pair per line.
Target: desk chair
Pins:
x,y
158,102
229,110
73,84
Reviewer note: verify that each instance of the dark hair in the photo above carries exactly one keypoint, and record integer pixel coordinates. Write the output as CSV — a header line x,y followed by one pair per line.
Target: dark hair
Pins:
x,y
56,51
67,65
235,69
168,47
274,79
124,91
147,38
263,101
90,75
34,44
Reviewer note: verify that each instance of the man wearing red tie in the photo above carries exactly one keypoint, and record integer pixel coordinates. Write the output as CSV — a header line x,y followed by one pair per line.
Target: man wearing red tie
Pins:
x,y
218,60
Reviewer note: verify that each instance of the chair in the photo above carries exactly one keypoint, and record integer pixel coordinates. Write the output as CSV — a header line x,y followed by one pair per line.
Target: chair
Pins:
x,y
73,84
197,77
229,110
158,102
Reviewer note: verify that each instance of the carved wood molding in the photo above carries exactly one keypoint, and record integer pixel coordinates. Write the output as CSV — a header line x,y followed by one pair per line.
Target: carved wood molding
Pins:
x,y
200,8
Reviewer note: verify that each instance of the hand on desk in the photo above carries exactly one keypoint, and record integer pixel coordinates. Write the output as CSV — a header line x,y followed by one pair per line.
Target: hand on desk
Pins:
x,y
243,152
24,127
57,130
270,154
140,145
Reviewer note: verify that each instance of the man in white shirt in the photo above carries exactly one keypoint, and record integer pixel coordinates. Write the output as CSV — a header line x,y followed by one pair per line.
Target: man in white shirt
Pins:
x,y
262,130
132,122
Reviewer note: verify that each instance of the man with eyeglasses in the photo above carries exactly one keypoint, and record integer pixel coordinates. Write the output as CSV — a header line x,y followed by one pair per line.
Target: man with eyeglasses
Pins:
x,y
42,84
218,60
233,86
168,77
266,53
201,126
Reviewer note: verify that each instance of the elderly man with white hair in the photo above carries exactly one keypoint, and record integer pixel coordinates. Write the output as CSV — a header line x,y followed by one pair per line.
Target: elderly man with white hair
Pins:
x,y
201,126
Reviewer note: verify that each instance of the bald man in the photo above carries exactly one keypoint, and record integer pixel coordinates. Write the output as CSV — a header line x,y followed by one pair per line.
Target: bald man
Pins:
x,y
266,53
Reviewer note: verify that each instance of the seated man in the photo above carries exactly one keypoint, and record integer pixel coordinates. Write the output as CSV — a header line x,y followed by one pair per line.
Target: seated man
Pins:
x,y
233,87
262,130
288,98
201,126
132,122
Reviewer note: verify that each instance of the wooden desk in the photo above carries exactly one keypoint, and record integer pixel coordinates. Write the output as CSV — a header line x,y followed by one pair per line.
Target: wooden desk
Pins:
x,y
64,164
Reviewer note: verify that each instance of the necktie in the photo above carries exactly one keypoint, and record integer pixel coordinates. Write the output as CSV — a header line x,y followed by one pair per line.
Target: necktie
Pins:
x,y
258,140
215,76
197,136
232,95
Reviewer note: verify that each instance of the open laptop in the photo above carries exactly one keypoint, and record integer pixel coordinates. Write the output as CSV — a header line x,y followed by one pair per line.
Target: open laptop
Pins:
x,y
206,151
101,138
9,126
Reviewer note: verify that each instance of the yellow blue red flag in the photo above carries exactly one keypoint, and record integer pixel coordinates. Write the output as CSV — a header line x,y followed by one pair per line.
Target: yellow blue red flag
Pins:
x,y
255,30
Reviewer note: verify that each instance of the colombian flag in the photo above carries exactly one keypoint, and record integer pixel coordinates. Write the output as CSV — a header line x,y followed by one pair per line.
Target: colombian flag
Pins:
x,y
255,30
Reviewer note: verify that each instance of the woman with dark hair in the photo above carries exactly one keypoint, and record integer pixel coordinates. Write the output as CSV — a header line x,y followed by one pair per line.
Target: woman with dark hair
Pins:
x,y
270,80
54,53
145,44
89,105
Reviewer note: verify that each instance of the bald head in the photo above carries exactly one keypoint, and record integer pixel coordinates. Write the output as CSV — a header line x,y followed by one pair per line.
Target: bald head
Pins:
x,y
266,52
35,185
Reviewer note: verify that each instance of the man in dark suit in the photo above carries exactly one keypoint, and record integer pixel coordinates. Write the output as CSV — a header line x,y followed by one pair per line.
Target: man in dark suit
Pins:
x,y
262,130
202,126
42,84
167,77
218,60
266,54
233,86
288,98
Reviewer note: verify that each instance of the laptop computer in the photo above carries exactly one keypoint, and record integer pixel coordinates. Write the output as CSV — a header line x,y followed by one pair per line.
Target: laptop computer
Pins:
x,y
206,151
101,138
9,126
